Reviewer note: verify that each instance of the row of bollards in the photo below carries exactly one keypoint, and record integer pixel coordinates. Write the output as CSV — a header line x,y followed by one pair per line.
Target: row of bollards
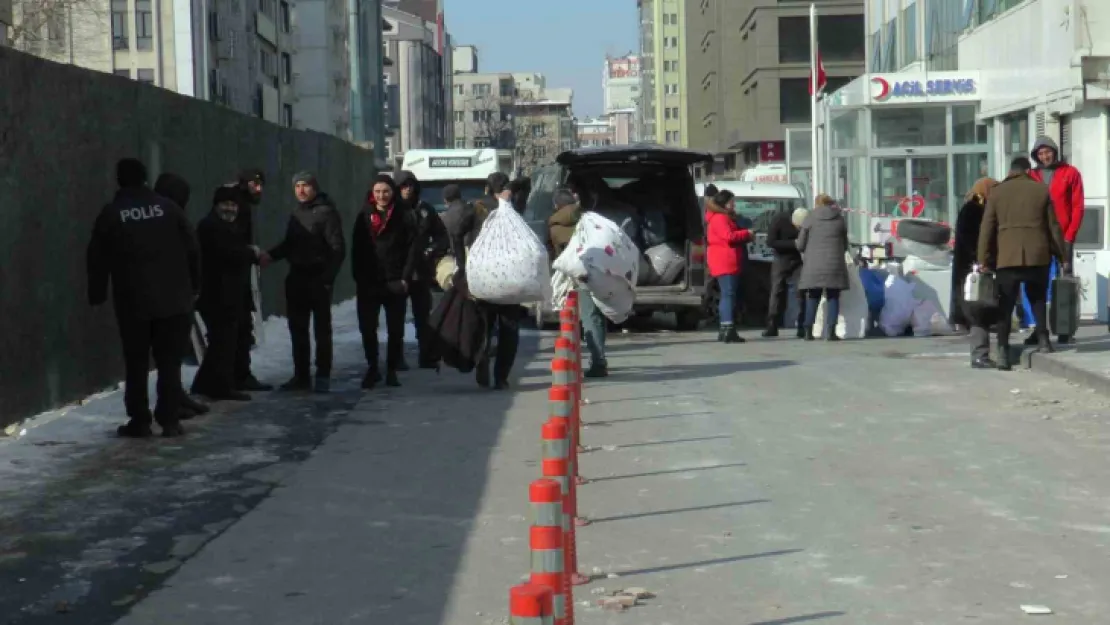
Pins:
x,y
548,597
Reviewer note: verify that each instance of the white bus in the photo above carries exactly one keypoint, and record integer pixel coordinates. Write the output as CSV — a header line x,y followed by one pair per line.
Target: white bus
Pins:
x,y
468,168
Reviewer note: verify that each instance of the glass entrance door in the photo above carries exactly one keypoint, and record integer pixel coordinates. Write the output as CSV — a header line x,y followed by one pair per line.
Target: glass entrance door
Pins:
x,y
929,181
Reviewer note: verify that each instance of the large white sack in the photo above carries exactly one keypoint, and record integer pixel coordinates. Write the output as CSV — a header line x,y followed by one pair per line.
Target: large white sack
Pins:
x,y
603,260
898,307
508,263
852,323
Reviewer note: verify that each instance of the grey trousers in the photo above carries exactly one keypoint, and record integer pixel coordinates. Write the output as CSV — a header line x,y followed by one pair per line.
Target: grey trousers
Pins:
x,y
980,339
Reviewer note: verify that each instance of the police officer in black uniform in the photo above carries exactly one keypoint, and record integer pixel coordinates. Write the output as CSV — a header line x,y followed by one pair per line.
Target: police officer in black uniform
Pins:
x,y
249,189
432,239
145,246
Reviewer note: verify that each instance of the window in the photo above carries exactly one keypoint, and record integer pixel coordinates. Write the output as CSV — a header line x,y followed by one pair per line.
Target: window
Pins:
x,y
144,25
119,28
125,73
964,129
841,38
480,89
145,75
286,17
909,34
287,115
286,68
908,127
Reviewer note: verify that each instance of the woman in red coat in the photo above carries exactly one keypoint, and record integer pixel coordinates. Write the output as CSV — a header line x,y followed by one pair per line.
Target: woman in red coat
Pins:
x,y
724,239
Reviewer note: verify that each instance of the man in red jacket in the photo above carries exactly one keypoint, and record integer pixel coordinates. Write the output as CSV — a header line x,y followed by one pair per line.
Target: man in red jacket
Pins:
x,y
1065,187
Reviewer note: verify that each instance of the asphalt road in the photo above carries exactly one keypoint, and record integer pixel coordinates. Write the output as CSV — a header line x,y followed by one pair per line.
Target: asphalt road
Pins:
x,y
774,482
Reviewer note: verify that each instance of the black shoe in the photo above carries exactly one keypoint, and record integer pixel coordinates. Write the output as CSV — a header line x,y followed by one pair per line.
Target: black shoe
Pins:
x,y
391,379
134,430
172,429
297,383
481,375
1004,358
193,407
322,385
251,383
771,332
732,337
983,362
402,366
809,334
371,379
596,371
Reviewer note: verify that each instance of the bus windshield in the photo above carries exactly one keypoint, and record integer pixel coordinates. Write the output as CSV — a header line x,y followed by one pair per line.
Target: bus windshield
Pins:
x,y
432,191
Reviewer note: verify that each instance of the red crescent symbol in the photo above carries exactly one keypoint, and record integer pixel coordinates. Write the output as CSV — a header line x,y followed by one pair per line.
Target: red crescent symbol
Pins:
x,y
884,88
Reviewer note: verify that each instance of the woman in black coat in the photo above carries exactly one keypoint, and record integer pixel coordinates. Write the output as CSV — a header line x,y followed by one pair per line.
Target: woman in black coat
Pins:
x,y
384,253
964,253
226,262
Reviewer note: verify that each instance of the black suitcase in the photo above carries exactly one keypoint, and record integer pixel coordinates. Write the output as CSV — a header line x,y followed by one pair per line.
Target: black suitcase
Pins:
x,y
1063,312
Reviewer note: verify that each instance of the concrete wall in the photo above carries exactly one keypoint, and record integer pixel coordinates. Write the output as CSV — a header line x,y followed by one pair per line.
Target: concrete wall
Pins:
x,y
61,131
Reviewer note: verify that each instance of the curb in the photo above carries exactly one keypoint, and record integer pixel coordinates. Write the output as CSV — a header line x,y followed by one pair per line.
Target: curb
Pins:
x,y
1053,365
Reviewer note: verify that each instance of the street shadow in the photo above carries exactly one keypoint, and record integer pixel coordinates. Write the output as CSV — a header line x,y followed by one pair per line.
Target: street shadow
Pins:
x,y
642,515
649,418
114,520
818,616
612,478
688,372
707,563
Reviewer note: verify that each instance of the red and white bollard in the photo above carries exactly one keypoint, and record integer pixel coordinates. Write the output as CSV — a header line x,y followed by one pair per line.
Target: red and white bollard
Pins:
x,y
531,604
545,539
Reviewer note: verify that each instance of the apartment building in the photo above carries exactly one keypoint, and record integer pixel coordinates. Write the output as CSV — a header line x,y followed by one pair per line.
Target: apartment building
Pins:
x,y
620,82
663,34
234,52
421,117
748,63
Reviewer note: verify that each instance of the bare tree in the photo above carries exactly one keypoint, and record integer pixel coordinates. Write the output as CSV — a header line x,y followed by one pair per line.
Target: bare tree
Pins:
x,y
55,27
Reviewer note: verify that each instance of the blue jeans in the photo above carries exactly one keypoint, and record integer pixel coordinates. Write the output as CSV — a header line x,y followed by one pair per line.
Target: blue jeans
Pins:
x,y
593,324
832,310
729,284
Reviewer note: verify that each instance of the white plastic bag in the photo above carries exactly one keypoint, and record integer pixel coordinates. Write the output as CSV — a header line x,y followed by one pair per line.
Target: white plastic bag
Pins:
x,y
602,259
928,321
852,321
898,307
508,263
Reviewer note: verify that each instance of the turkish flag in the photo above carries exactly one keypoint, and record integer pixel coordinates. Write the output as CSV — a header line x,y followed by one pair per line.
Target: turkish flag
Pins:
x,y
822,78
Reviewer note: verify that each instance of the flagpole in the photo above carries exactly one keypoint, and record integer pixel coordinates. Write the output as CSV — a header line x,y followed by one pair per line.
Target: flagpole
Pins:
x,y
813,69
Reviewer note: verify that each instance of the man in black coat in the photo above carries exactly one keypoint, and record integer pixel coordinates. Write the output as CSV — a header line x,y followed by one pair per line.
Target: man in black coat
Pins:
x,y
314,247
145,246
249,191
177,189
224,274
785,267
384,257
431,237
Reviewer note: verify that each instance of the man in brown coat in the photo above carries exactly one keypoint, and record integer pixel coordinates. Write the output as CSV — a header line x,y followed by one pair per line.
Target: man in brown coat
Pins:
x,y
1018,240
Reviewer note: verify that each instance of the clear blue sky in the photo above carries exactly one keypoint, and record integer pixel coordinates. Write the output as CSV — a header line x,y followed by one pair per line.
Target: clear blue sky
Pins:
x,y
566,40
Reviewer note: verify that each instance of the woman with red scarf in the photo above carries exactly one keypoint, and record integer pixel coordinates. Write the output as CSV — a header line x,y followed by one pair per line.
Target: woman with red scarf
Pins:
x,y
384,252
